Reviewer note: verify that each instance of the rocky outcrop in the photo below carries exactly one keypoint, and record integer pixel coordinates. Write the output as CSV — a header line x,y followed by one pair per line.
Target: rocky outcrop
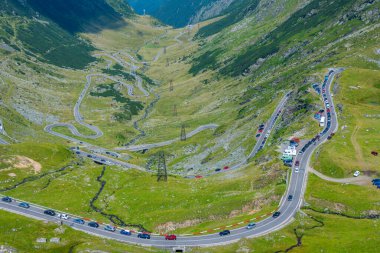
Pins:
x,y
211,10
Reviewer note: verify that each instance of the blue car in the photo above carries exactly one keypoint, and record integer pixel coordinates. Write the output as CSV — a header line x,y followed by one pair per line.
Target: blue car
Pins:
x,y
6,199
224,232
125,232
24,205
143,236
93,224
78,221
251,225
49,212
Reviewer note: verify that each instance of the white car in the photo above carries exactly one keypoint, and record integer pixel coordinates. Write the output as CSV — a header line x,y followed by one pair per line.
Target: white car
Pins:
x,y
356,173
296,169
63,216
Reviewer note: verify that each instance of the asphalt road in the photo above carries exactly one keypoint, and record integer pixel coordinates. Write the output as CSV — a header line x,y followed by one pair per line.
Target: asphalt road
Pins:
x,y
268,127
3,142
166,143
288,209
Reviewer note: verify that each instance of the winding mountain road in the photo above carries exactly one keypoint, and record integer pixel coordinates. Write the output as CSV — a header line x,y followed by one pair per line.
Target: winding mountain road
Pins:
x,y
288,209
166,143
160,52
77,115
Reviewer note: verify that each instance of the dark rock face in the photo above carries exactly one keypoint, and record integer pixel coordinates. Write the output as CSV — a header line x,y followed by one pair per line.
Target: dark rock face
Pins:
x,y
78,16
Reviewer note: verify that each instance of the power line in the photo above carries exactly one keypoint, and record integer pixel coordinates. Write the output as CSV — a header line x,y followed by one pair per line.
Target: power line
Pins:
x,y
183,132
175,113
162,174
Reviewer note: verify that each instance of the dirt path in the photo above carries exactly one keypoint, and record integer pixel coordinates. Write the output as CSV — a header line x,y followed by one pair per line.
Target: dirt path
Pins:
x,y
362,180
358,150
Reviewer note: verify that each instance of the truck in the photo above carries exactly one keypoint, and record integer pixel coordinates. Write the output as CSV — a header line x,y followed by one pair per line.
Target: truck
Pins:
x,y
322,121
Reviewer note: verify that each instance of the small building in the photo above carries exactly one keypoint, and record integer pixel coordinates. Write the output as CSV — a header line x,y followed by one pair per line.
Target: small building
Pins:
x,y
41,240
55,240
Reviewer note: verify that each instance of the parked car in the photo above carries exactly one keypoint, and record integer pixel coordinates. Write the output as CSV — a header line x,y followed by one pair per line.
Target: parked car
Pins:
x,y
251,225
24,205
356,173
224,232
144,236
297,163
258,135
6,199
49,212
63,216
125,232
171,237
93,224
276,214
296,169
110,228
79,221
218,169
290,197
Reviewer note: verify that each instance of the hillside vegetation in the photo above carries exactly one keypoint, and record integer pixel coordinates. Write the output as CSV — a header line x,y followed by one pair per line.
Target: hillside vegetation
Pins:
x,y
230,72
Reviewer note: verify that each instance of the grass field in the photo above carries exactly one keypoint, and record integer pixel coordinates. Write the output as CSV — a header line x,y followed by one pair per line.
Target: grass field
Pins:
x,y
219,198
25,160
347,199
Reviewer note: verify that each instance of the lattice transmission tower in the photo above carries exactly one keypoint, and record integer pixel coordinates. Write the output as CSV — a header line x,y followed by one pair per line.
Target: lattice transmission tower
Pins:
x,y
162,174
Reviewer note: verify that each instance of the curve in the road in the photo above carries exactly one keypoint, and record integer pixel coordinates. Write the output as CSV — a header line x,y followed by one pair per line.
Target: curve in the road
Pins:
x,y
77,115
287,208
169,142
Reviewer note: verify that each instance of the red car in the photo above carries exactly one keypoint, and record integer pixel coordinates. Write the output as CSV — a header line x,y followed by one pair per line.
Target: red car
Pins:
x,y
198,176
226,168
171,237
328,109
